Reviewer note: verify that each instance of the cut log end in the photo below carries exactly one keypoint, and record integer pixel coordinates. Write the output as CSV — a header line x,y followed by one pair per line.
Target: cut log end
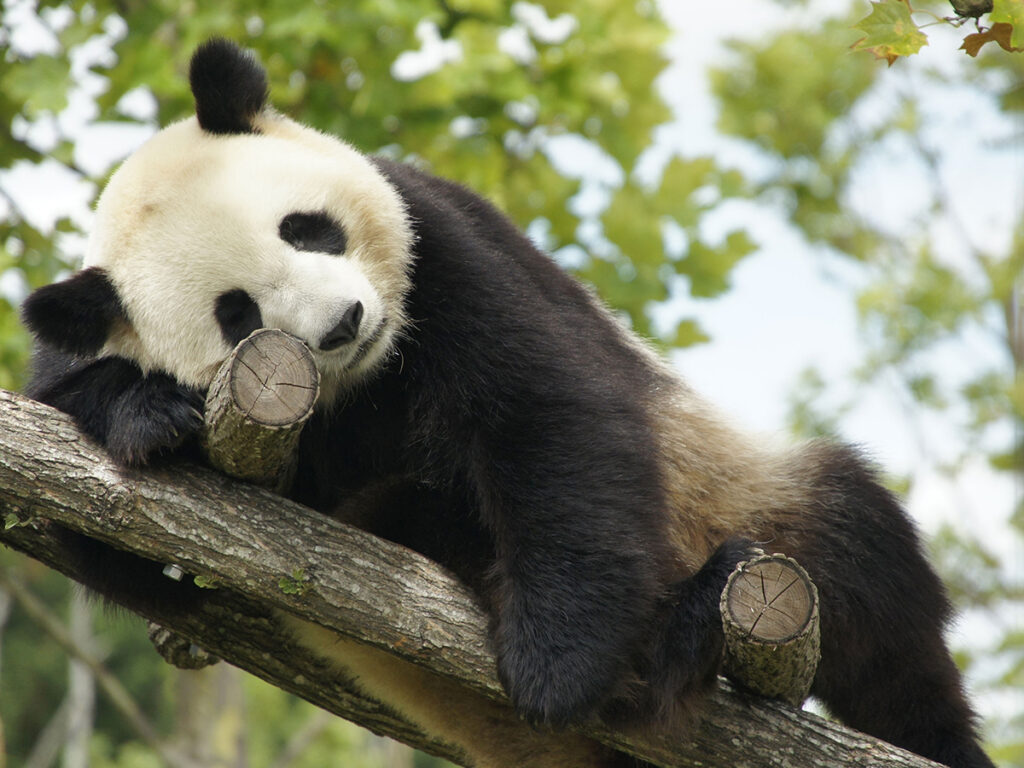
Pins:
x,y
771,599
257,405
273,378
770,616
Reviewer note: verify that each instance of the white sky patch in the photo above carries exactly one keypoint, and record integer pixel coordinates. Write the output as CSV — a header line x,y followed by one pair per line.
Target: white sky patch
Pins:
x,y
464,126
523,112
515,42
27,34
433,54
988,496
14,286
138,104
100,146
542,28
47,192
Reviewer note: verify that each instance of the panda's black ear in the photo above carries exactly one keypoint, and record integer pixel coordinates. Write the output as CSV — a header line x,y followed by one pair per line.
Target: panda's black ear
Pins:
x,y
229,85
75,315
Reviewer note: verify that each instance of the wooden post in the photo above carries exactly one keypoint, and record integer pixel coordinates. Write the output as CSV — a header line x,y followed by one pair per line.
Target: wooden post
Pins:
x,y
770,615
256,407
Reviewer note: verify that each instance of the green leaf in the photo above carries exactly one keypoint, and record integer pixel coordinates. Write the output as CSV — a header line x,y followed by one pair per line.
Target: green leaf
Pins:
x,y
925,389
709,267
40,83
628,223
688,334
890,31
11,520
207,582
683,177
296,584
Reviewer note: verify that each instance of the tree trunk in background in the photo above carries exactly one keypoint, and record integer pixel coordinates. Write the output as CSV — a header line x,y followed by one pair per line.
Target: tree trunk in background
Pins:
x,y
81,696
5,611
392,753
210,717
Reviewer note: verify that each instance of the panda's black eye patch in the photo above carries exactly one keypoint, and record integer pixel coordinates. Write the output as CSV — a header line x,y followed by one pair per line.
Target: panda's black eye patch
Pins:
x,y
237,315
313,232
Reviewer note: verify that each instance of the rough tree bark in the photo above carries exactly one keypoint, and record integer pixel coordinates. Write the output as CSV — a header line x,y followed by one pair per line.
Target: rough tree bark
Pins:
x,y
258,548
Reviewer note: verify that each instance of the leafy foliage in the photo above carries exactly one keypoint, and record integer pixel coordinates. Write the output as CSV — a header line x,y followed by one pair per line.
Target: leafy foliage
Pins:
x,y
931,287
891,32
1000,33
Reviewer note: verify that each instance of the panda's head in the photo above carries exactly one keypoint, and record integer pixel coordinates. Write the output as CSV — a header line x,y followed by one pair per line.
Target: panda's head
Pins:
x,y
229,221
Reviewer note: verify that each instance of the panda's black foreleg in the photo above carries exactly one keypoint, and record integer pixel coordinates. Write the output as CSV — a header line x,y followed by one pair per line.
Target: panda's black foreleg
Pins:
x,y
135,416
564,629
884,668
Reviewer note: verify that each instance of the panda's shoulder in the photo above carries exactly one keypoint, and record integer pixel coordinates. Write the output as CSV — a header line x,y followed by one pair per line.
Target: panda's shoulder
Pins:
x,y
436,201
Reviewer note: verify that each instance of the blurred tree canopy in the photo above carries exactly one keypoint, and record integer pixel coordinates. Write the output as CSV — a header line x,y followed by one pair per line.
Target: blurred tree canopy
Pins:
x,y
549,109
485,92
940,283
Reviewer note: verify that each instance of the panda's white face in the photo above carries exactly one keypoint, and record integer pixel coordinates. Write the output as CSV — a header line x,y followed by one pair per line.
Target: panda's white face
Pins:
x,y
205,235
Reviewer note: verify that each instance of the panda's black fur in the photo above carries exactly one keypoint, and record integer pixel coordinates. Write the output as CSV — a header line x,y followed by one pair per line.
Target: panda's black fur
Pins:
x,y
516,435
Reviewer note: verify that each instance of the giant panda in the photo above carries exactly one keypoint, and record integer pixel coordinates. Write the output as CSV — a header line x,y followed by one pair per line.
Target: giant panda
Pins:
x,y
480,406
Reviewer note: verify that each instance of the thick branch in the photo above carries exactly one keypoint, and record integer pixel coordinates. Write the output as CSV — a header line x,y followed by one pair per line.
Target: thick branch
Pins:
x,y
251,542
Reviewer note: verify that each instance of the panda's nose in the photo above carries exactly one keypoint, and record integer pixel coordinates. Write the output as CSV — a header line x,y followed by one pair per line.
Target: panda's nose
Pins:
x,y
346,329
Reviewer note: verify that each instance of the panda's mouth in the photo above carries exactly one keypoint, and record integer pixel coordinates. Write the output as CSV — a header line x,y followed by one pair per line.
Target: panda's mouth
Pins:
x,y
367,344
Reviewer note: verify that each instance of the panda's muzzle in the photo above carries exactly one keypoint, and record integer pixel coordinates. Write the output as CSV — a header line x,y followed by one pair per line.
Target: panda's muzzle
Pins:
x,y
346,329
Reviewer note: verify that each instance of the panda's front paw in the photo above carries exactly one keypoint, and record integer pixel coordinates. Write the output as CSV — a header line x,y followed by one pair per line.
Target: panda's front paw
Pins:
x,y
153,416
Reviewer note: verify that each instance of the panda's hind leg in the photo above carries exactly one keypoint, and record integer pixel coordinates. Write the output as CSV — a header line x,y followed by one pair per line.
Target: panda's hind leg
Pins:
x,y
884,668
686,652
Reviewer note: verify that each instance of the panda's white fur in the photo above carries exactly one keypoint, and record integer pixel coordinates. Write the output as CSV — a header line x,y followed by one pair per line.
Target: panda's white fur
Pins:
x,y
490,413
192,214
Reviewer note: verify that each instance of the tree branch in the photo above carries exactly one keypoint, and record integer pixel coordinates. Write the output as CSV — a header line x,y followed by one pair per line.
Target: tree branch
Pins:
x,y
252,542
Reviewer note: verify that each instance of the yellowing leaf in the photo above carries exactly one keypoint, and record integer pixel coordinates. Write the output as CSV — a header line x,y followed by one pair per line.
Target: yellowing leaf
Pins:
x,y
891,32
1011,13
997,33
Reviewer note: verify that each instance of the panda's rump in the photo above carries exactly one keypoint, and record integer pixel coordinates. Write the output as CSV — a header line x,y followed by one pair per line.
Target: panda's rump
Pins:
x,y
720,482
